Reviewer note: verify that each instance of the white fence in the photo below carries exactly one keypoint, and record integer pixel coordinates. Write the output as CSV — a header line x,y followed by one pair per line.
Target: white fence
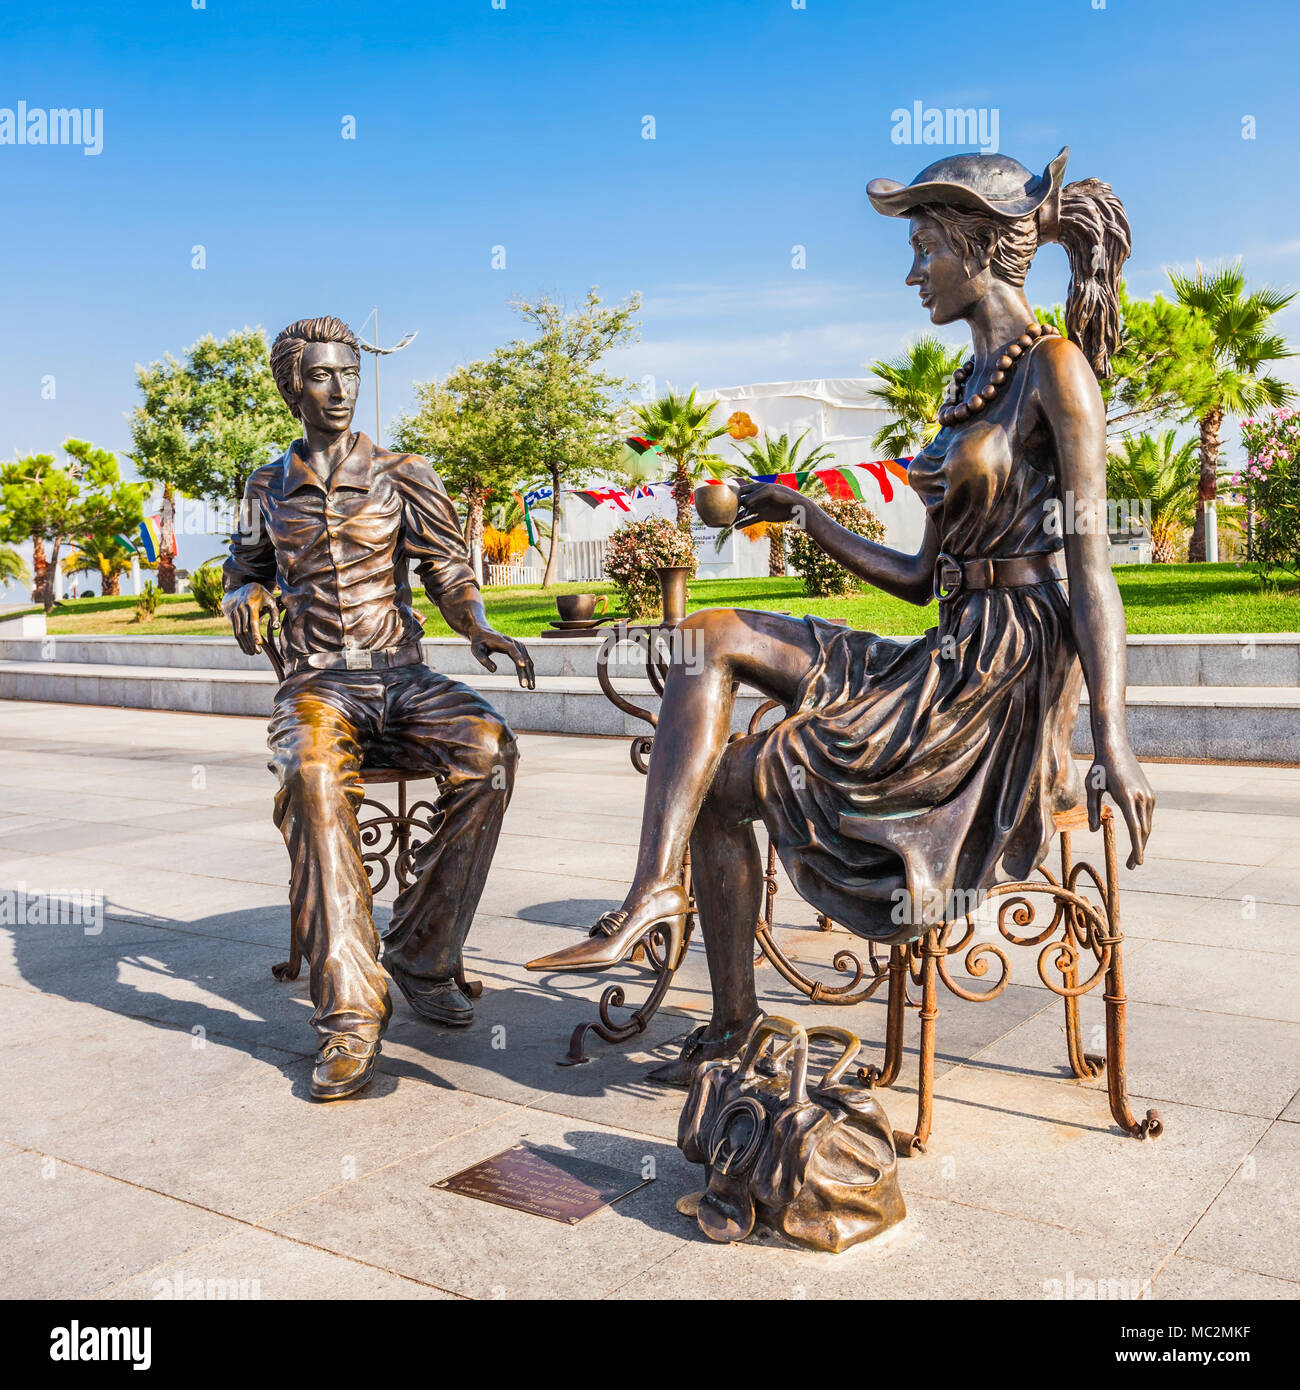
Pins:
x,y
582,560
514,574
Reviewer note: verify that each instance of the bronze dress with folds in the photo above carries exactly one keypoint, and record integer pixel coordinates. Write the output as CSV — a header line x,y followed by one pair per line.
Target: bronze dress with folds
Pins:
x,y
910,775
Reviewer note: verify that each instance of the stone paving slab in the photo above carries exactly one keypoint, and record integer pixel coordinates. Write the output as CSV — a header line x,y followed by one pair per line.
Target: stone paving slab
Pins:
x,y
154,1125
67,1232
1254,1222
1237,1065
260,1264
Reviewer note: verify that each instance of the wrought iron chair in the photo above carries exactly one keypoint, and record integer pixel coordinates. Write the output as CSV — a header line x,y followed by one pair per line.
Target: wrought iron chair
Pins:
x,y
389,839
1079,948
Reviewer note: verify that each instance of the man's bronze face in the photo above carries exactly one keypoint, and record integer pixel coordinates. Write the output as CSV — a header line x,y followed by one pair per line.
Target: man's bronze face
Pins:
x,y
331,375
948,287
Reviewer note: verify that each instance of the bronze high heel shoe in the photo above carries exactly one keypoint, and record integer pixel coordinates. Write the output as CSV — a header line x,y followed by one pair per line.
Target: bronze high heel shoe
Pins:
x,y
617,933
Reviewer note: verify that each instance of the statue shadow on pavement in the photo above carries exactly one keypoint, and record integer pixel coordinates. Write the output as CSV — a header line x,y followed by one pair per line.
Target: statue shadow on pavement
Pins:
x,y
211,977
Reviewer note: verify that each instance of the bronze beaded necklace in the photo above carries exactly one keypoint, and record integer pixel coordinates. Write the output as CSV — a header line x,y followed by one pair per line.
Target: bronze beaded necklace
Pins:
x,y
955,410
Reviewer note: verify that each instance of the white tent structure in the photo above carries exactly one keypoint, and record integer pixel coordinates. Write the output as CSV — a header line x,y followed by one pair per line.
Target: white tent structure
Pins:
x,y
836,412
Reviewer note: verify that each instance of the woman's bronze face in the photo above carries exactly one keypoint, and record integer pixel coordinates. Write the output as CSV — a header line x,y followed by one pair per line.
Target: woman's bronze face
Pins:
x,y
949,286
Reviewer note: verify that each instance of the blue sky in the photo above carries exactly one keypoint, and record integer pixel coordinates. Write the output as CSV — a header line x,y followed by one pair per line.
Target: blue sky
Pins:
x,y
522,127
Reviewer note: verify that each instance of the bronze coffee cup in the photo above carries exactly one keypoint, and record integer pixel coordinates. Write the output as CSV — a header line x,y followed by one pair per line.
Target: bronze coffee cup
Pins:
x,y
717,504
580,608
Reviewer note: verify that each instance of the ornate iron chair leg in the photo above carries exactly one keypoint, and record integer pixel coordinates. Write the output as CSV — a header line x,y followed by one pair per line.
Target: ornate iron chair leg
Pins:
x,y
615,997
908,1145
895,1016
472,988
1116,1062
652,950
1083,1064
288,969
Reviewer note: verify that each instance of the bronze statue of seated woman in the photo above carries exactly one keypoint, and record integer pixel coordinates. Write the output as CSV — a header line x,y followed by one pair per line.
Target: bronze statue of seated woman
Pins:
x,y
908,775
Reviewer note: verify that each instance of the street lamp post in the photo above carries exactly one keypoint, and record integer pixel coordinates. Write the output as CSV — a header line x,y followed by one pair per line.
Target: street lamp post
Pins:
x,y
379,352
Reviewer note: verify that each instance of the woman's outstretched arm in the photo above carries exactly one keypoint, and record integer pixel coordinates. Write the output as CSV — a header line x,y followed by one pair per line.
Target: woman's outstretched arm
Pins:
x,y
1067,394
909,577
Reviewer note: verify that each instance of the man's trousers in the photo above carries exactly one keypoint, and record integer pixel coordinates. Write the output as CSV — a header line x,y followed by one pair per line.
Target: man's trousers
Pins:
x,y
324,726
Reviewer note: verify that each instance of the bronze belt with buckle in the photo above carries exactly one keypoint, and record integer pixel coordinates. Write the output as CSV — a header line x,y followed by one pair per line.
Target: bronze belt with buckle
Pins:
x,y
952,576
358,659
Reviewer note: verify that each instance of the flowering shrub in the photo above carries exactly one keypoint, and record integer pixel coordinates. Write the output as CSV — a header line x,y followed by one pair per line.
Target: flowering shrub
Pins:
x,y
1272,475
206,586
822,576
635,551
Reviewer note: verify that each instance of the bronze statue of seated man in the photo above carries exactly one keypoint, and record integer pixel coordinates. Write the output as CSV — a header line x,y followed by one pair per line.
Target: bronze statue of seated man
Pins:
x,y
334,523
908,775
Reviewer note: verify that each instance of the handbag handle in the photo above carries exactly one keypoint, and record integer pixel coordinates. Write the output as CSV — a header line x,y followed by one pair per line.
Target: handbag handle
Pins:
x,y
772,1027
851,1043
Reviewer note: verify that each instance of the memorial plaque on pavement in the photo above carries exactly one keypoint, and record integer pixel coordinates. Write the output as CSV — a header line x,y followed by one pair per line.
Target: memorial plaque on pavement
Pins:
x,y
558,1186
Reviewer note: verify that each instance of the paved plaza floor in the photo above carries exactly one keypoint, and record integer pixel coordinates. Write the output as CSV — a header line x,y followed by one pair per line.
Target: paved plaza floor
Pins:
x,y
155,1126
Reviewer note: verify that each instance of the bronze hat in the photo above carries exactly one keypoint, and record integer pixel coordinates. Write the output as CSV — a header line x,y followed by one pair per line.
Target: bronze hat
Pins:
x,y
991,183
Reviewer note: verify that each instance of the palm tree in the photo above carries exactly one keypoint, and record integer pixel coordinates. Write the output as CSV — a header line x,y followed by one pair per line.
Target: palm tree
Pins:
x,y
776,455
13,568
913,390
683,430
107,554
1155,474
1244,346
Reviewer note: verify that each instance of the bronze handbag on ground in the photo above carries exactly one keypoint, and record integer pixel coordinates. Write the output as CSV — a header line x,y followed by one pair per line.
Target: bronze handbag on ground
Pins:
x,y
816,1165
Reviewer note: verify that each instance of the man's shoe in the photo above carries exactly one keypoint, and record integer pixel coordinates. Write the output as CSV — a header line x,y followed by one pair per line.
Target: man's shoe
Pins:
x,y
440,1001
344,1064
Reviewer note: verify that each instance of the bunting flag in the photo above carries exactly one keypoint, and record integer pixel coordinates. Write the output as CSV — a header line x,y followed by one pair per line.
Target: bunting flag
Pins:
x,y
598,496
531,499
847,481
149,541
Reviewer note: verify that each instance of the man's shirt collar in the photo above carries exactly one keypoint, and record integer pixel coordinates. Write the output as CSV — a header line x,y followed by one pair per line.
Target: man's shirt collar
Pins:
x,y
356,471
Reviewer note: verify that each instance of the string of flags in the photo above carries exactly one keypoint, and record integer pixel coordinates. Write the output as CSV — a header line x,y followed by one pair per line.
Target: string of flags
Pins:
x,y
846,481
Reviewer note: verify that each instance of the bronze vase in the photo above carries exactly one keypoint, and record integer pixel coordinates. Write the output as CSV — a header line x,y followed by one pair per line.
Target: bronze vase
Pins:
x,y
672,585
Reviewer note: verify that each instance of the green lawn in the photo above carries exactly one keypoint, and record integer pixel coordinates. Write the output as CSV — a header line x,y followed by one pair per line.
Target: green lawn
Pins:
x,y
1157,598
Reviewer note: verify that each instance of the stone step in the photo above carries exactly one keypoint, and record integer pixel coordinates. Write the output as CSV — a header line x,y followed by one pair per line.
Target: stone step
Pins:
x,y
1228,723
1245,660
